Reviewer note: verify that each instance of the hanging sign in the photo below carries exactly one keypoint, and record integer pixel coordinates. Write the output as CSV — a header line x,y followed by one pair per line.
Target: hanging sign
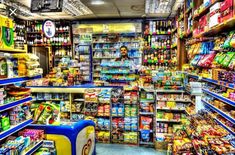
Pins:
x,y
48,28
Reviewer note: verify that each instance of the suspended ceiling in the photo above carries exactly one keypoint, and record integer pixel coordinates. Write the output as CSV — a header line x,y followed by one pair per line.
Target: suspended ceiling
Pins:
x,y
110,9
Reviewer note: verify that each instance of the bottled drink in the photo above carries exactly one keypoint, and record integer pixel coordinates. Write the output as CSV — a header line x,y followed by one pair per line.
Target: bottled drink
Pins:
x,y
157,27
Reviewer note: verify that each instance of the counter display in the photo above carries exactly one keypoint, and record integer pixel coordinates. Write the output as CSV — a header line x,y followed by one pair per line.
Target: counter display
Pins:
x,y
73,138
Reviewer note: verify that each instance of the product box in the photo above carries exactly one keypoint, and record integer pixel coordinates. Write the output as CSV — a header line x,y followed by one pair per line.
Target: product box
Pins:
x,y
214,15
226,10
6,33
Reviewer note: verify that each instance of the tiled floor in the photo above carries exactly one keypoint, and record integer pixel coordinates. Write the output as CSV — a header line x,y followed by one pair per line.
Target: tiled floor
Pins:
x,y
118,149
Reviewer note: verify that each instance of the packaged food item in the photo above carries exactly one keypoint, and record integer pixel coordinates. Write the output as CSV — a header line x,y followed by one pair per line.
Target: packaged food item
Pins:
x,y
133,111
145,122
120,110
145,135
228,59
227,41
127,110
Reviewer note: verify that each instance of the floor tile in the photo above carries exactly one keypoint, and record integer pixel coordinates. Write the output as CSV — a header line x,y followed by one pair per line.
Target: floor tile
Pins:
x,y
119,149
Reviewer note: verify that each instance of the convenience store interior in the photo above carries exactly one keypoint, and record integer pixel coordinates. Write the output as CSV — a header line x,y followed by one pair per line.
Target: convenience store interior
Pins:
x,y
120,77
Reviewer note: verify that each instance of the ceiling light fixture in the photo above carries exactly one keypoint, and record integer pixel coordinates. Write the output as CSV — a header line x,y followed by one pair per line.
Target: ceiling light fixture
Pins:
x,y
97,2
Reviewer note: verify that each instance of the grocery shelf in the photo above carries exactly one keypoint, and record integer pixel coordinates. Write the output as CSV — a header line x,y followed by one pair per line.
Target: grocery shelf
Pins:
x,y
18,79
120,81
218,28
146,143
130,130
194,76
221,83
165,134
168,120
14,129
224,126
172,109
102,116
117,116
13,50
187,112
205,10
33,148
14,103
145,100
97,42
151,131
210,106
146,113
174,101
79,99
193,94
169,91
219,97
102,129
49,100
117,73
147,89
156,34
105,57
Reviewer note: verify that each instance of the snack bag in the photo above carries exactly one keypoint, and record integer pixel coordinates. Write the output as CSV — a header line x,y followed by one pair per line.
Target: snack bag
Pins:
x,y
106,136
121,123
227,41
206,62
100,136
160,114
232,41
114,110
145,135
115,123
101,110
120,110
145,122
195,60
134,126
106,124
106,110
127,124
232,64
227,59
133,111
127,110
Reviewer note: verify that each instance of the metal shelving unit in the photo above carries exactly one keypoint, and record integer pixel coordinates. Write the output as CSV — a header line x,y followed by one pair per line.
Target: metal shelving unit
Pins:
x,y
18,80
14,103
15,128
210,106
33,148
220,83
219,97
4,107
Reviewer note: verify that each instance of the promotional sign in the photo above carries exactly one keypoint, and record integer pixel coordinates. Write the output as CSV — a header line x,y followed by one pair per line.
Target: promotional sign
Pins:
x,y
6,33
85,38
48,28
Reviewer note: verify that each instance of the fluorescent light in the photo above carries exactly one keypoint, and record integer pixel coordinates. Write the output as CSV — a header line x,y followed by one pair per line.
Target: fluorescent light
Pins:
x,y
97,2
